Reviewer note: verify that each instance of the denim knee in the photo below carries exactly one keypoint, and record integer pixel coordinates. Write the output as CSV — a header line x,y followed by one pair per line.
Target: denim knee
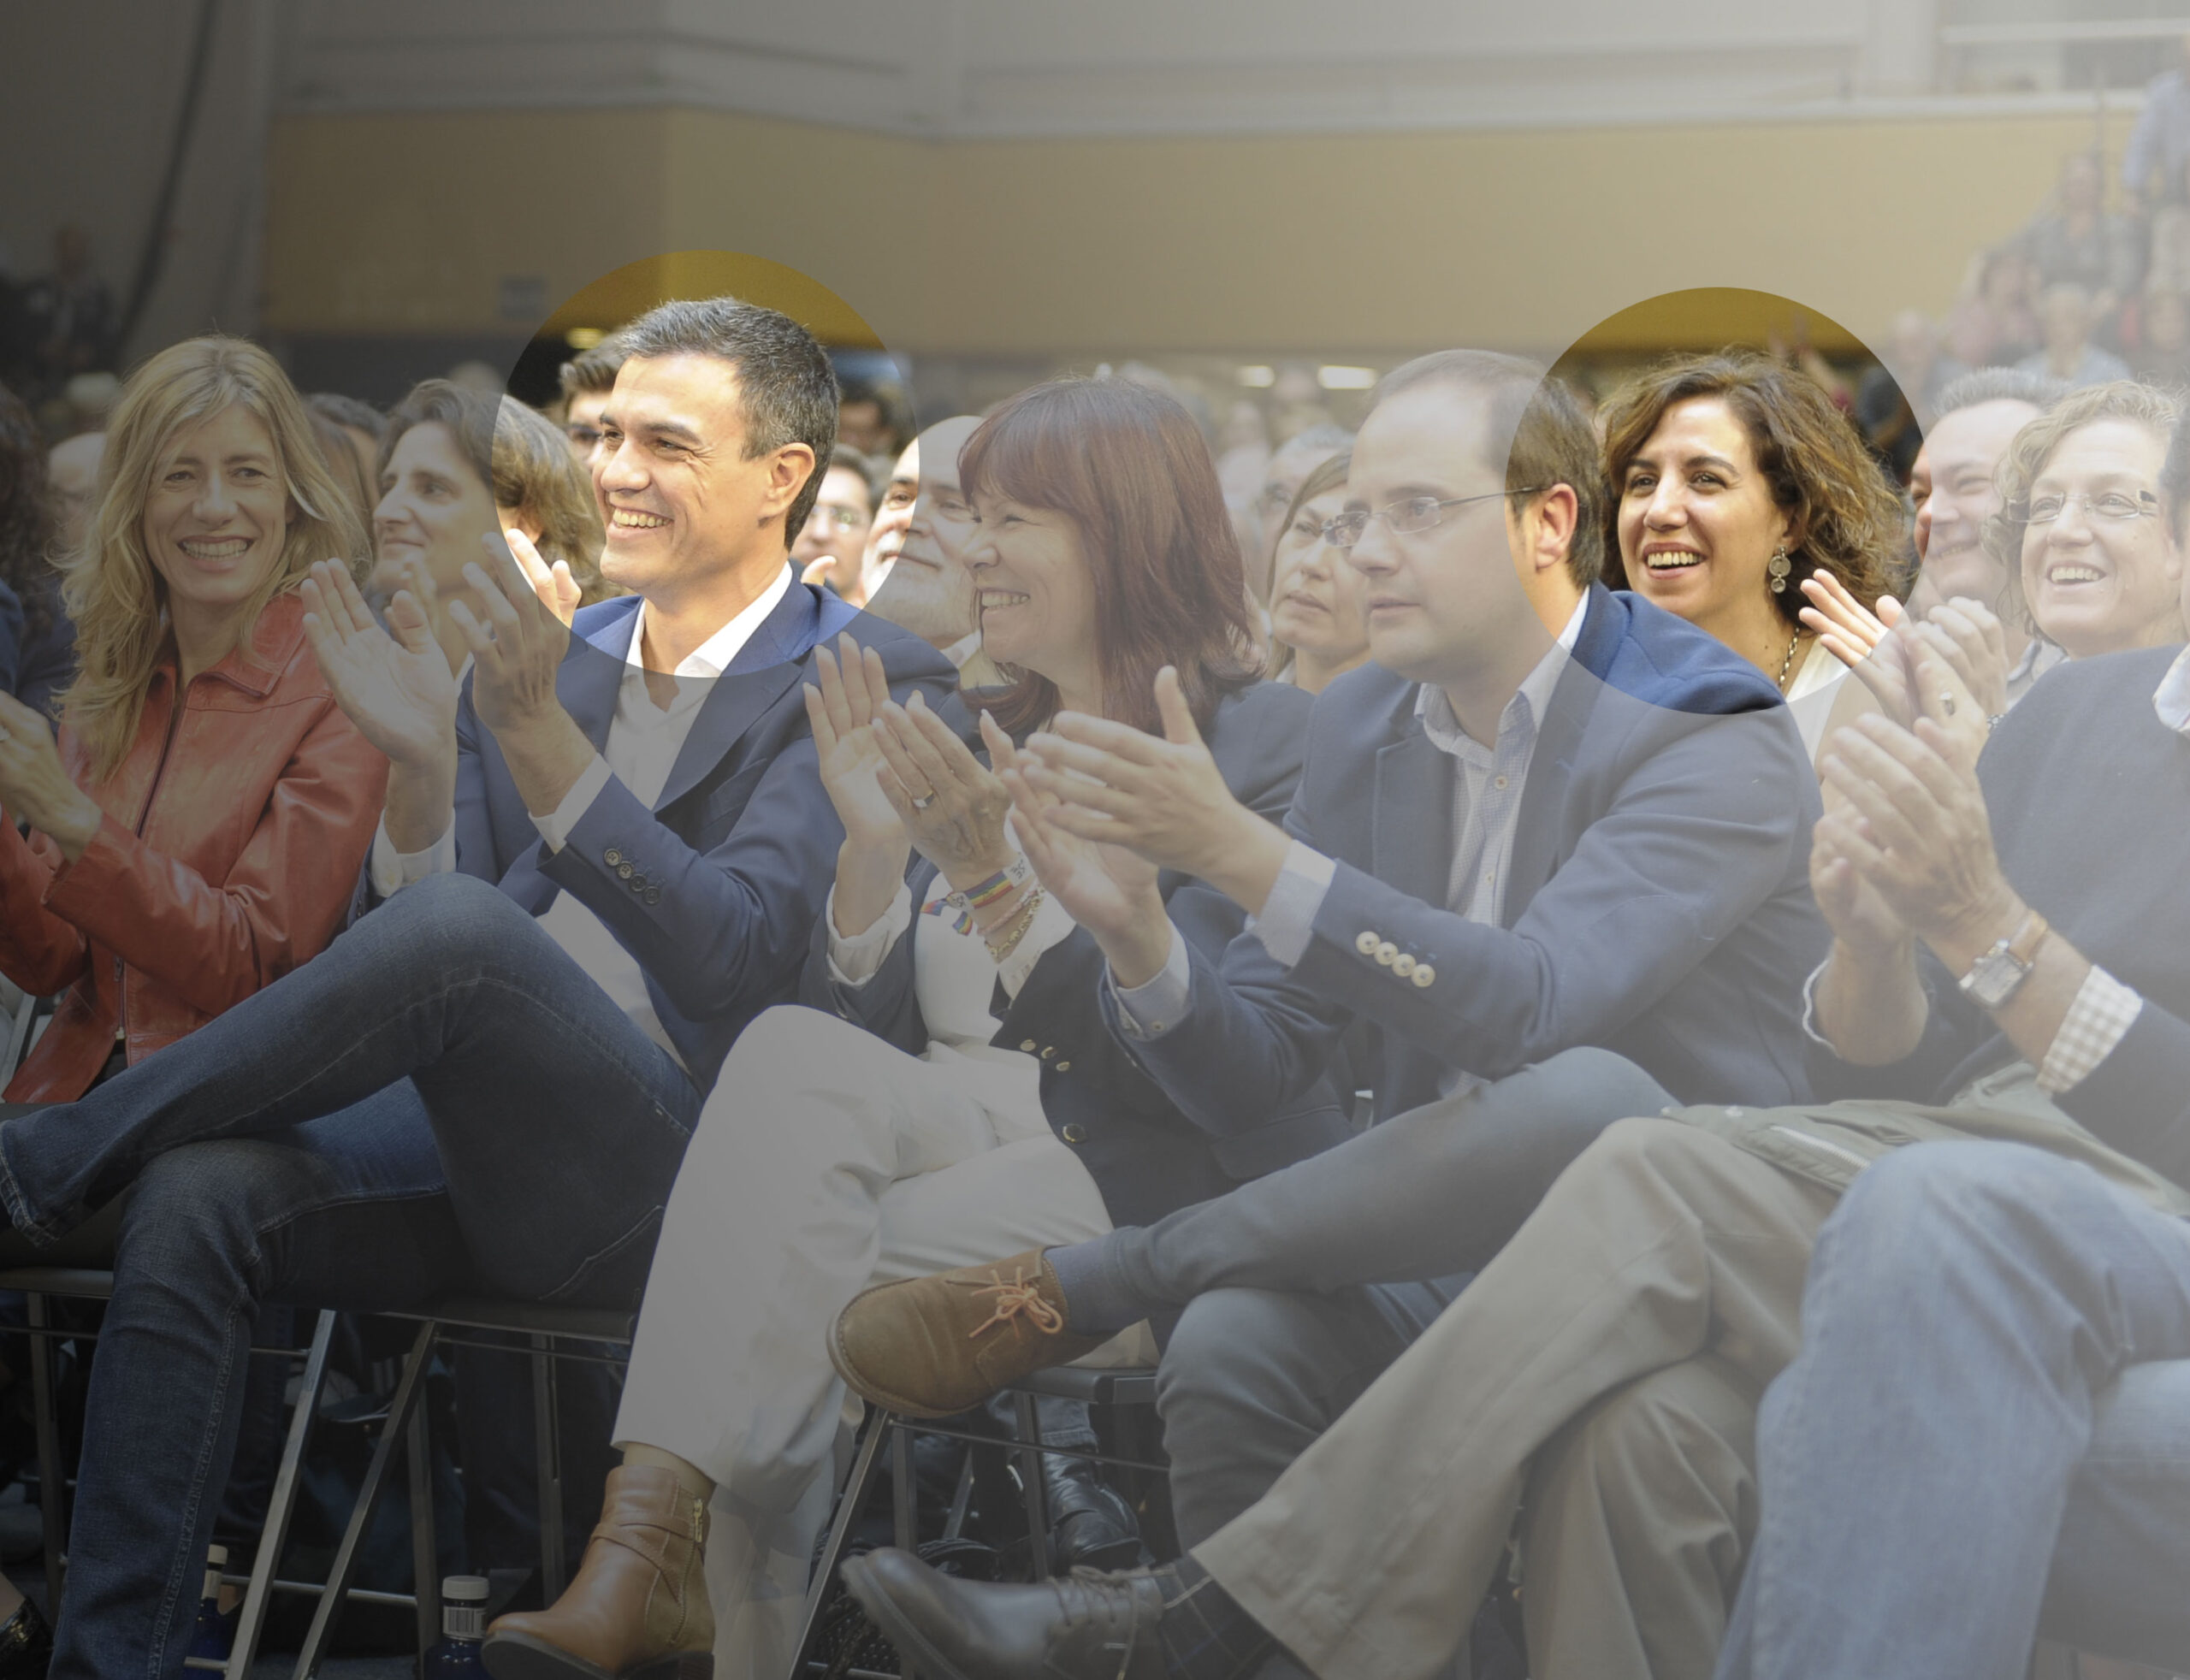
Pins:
x,y
194,1210
1933,1198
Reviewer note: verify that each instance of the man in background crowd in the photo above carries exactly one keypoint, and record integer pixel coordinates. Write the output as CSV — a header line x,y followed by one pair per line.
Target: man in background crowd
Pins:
x,y
832,550
587,378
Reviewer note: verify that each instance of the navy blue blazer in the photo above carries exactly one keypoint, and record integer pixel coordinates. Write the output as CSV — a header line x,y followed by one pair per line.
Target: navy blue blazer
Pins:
x,y
715,889
1147,1155
1658,906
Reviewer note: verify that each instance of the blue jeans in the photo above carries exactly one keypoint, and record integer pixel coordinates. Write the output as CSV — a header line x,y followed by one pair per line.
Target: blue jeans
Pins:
x,y
442,1097
1985,1435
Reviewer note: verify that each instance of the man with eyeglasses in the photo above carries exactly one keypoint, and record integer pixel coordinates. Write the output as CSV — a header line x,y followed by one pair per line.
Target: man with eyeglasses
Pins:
x,y
829,549
1553,845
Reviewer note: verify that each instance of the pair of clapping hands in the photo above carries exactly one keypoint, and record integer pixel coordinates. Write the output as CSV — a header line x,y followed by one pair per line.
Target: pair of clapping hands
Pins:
x,y
1096,807
395,685
1905,850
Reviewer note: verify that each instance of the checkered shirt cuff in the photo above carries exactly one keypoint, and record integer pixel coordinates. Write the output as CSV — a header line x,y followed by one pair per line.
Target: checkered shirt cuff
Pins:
x,y
2101,1015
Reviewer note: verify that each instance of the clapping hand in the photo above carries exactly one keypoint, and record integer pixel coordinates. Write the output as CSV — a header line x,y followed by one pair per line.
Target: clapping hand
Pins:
x,y
398,687
516,640
557,590
951,804
35,787
1109,890
1912,821
1162,796
841,704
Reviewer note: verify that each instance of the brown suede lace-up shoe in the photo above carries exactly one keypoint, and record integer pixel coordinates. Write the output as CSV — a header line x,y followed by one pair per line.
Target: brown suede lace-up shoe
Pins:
x,y
930,1346
638,1610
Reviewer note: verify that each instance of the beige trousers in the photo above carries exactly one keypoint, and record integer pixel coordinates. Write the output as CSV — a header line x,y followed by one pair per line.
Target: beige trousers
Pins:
x,y
1636,1520
1662,1243
824,1161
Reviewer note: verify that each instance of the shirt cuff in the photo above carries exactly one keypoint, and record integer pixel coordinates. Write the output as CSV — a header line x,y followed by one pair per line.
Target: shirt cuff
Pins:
x,y
392,871
1809,1007
1052,925
1151,1010
2100,1018
1289,919
857,960
555,827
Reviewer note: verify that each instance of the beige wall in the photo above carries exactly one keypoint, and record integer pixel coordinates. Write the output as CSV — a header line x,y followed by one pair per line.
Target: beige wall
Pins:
x,y
1377,243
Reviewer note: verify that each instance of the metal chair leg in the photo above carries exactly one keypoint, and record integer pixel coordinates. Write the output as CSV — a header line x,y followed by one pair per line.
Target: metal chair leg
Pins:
x,y
548,1456
425,1559
52,1475
1033,1489
280,1506
866,1466
346,1557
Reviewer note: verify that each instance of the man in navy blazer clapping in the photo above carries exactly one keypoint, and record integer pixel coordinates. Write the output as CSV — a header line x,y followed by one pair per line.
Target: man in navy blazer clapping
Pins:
x,y
1551,847
600,859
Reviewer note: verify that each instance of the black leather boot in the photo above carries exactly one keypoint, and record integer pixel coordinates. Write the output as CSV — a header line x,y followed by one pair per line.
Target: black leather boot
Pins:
x,y
1091,1524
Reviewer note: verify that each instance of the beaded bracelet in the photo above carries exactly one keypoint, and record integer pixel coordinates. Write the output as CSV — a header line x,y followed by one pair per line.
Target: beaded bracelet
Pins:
x,y
979,896
1017,931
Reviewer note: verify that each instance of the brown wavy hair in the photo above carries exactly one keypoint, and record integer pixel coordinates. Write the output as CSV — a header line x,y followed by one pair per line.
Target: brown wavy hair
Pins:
x,y
1130,469
1843,514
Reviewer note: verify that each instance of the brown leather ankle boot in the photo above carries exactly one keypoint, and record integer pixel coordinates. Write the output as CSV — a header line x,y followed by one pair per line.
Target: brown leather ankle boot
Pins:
x,y
638,1610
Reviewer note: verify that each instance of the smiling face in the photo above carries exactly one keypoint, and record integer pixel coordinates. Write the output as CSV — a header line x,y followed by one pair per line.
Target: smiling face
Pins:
x,y
432,508
216,516
2097,585
922,536
1036,594
1698,522
1445,605
682,504
1315,603
1956,488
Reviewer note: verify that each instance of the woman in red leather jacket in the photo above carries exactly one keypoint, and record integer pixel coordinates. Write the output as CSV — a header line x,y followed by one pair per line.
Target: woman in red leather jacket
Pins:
x,y
197,830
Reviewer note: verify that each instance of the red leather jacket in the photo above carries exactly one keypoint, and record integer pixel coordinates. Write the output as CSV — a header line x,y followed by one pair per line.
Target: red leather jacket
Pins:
x,y
233,833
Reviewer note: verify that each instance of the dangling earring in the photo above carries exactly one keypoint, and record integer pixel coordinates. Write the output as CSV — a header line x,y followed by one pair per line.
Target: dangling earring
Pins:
x,y
1777,568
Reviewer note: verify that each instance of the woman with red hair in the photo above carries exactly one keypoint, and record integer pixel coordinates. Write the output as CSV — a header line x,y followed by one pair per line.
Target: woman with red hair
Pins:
x,y
950,1085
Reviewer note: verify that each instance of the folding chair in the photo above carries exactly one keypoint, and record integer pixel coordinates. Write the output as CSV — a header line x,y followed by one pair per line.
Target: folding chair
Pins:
x,y
546,1328
1134,1386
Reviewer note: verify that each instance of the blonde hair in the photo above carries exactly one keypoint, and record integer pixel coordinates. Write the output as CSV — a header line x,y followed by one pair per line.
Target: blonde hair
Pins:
x,y
109,586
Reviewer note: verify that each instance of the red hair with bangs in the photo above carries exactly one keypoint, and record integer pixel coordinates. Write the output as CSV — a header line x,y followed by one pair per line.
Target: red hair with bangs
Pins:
x,y
1130,469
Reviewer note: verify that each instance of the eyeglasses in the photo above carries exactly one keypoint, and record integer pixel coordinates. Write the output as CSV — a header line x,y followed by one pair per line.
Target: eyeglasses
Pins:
x,y
842,515
1407,517
2117,505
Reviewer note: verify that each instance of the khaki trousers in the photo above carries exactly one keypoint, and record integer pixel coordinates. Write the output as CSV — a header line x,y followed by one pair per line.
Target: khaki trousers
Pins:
x,y
1637,1523
1662,1243
824,1161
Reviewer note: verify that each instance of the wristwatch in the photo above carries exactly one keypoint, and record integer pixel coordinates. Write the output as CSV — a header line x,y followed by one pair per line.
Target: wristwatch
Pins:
x,y
1994,977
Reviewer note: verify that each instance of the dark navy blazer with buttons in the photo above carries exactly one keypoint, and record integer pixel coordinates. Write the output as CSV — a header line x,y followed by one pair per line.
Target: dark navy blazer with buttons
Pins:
x,y
1658,904
713,890
1145,1156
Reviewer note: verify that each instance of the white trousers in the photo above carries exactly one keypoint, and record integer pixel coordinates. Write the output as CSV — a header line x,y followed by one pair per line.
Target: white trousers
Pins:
x,y
824,1161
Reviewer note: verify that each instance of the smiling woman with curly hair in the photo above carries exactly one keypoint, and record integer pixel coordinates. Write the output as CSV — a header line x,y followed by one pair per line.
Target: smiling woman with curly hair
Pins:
x,y
1733,479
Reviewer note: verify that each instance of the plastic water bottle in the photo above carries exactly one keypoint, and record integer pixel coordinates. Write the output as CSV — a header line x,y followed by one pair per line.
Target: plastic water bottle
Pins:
x,y
464,1625
215,1635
